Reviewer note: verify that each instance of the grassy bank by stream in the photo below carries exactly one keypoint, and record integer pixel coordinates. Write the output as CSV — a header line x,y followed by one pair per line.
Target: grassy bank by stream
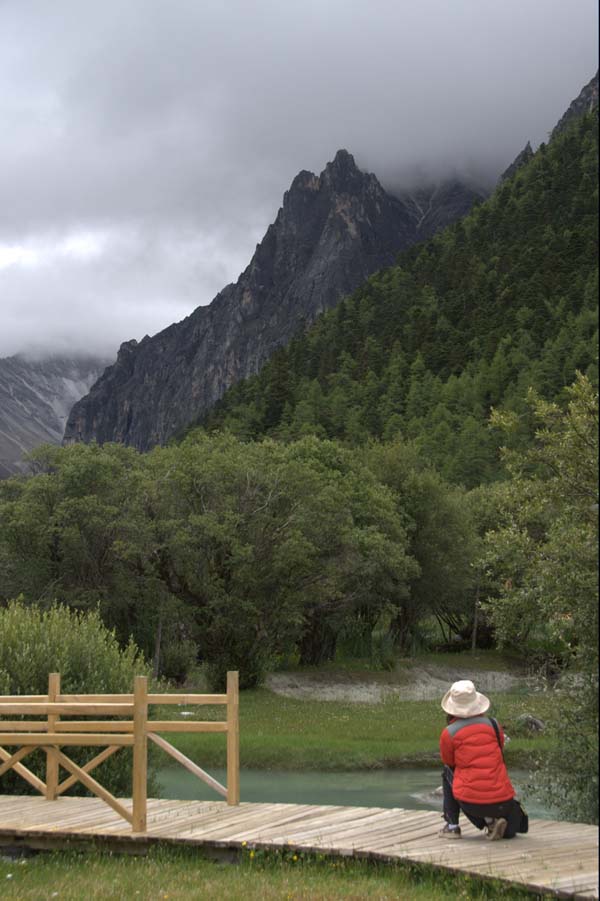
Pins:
x,y
283,733
183,875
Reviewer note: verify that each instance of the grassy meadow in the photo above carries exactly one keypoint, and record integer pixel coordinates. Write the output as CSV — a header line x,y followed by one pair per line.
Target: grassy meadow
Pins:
x,y
283,733
183,875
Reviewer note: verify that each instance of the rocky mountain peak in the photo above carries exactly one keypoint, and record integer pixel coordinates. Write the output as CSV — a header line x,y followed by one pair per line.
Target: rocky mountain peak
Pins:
x,y
521,159
332,231
342,166
343,175
586,100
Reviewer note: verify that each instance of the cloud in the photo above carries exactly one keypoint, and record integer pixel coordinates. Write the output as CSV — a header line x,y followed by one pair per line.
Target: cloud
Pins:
x,y
161,136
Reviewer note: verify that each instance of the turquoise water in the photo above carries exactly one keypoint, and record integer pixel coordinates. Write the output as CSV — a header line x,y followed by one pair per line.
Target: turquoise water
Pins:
x,y
406,787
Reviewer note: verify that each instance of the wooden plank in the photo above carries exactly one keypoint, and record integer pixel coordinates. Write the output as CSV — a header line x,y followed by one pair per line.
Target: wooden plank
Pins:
x,y
169,812
71,709
21,699
88,767
172,819
51,758
357,827
93,786
15,725
567,860
187,763
220,813
64,816
238,816
283,829
24,772
65,738
93,726
173,822
323,824
577,882
96,699
14,758
181,726
140,753
253,817
402,825
186,699
233,738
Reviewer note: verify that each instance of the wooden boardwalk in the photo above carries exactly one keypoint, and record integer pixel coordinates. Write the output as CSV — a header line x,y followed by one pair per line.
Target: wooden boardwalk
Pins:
x,y
554,857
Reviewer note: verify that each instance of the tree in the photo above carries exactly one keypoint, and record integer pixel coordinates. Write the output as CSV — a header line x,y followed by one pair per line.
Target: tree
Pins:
x,y
544,558
439,524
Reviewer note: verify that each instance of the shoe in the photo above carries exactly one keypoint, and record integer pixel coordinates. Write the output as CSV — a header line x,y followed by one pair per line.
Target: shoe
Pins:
x,y
447,832
496,829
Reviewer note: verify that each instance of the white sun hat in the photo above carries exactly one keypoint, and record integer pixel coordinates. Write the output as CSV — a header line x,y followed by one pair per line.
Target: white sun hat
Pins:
x,y
463,700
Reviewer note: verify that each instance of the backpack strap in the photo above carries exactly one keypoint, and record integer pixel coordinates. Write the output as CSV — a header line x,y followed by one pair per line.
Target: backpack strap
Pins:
x,y
497,731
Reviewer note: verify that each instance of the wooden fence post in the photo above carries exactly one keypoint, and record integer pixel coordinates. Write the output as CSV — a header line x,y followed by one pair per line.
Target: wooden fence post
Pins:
x,y
140,752
233,739
51,758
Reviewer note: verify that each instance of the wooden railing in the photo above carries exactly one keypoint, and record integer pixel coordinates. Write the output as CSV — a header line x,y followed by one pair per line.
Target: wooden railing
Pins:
x,y
132,729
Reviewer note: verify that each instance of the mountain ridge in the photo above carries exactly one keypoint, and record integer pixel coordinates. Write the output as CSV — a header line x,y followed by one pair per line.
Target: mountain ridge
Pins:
x,y
332,231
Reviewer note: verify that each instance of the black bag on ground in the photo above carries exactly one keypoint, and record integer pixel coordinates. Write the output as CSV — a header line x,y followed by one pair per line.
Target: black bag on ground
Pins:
x,y
524,819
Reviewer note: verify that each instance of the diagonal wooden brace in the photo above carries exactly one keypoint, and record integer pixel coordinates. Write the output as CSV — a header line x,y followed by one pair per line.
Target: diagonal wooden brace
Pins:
x,y
18,755
93,786
20,769
87,768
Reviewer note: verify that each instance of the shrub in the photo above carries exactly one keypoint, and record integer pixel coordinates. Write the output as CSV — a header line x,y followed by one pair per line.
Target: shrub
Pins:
x,y
178,659
35,642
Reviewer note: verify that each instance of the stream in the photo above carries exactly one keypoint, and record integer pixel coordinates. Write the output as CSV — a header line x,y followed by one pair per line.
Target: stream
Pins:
x,y
411,788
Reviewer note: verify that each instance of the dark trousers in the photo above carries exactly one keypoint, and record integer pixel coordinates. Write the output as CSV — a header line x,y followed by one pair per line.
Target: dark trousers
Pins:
x,y
477,813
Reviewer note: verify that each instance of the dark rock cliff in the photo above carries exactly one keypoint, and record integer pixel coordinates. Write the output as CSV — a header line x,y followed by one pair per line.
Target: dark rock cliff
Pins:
x,y
332,232
586,100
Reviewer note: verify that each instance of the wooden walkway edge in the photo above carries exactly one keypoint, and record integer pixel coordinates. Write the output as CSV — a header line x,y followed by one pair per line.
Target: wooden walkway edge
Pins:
x,y
554,857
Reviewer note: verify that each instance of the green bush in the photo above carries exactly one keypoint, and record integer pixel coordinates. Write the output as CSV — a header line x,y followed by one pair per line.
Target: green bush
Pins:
x,y
178,659
35,642
568,775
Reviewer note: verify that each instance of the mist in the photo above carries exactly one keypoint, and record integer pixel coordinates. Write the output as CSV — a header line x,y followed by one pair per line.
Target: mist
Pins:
x,y
147,145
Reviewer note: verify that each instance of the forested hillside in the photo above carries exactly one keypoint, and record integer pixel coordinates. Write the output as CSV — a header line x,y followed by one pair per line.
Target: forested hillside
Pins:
x,y
503,300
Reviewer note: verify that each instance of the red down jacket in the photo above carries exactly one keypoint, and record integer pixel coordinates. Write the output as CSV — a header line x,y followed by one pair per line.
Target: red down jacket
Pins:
x,y
471,748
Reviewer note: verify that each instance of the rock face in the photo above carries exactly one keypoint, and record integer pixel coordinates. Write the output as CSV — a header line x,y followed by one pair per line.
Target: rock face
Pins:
x,y
35,399
520,160
332,232
586,100
435,207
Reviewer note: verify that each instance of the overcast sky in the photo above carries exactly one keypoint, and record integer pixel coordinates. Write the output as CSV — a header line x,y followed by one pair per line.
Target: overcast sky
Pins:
x,y
146,144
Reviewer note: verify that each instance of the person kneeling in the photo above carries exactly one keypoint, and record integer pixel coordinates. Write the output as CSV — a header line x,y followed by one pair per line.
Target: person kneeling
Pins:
x,y
475,780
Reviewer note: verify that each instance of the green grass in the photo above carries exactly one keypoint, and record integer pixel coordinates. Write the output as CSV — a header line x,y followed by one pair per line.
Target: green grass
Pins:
x,y
183,875
282,733
361,667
